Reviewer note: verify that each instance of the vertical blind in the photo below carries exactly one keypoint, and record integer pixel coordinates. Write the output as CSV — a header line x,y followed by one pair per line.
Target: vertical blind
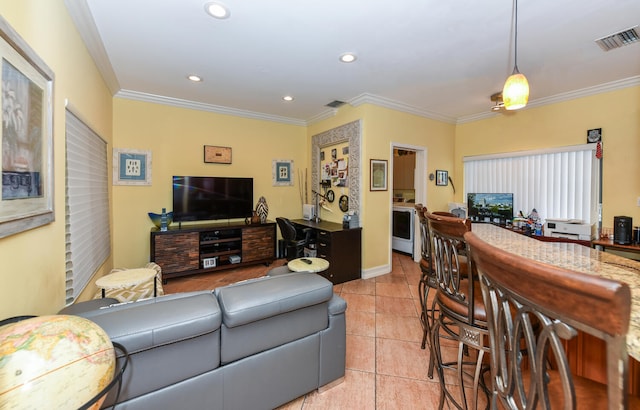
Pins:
x,y
562,183
87,239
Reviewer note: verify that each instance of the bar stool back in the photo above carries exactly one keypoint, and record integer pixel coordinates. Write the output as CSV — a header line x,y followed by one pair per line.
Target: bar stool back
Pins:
x,y
459,313
532,308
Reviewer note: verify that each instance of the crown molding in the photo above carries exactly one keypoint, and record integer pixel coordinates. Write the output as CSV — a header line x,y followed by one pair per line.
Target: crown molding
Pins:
x,y
554,99
322,116
83,20
176,102
367,98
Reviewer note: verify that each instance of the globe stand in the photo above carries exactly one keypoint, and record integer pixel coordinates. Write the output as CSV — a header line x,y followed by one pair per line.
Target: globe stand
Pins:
x,y
117,379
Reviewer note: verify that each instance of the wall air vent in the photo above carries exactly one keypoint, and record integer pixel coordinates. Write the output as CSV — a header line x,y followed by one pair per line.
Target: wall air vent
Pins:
x,y
623,38
335,104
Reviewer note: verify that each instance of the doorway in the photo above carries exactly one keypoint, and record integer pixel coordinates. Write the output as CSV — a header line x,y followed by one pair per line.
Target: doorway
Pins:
x,y
409,170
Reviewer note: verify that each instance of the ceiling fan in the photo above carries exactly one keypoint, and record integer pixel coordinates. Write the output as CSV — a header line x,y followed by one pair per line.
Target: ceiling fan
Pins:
x,y
498,104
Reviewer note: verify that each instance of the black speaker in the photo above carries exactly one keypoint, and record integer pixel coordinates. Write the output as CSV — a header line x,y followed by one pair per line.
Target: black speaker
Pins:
x,y
622,229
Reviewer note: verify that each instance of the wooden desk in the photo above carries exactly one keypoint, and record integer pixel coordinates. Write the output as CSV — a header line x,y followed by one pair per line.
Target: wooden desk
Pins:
x,y
608,243
342,248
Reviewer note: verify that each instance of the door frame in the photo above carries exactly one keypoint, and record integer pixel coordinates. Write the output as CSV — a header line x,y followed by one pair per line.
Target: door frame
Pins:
x,y
420,186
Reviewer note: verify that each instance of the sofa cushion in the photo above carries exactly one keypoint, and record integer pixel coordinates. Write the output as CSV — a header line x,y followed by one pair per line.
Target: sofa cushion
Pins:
x,y
158,321
247,302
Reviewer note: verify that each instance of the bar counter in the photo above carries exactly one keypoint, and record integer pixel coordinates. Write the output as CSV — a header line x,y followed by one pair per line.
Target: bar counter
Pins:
x,y
578,258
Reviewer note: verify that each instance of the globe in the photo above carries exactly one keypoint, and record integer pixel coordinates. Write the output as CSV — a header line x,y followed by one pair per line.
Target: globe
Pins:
x,y
53,362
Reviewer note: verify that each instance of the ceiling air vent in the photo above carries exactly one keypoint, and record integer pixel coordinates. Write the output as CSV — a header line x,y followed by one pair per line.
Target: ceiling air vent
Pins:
x,y
623,38
335,104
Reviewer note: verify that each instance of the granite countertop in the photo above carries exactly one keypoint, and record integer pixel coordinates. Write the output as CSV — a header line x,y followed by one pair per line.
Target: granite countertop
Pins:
x,y
578,258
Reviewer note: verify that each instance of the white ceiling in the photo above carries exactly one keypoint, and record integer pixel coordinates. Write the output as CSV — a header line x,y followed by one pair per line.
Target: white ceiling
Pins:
x,y
439,59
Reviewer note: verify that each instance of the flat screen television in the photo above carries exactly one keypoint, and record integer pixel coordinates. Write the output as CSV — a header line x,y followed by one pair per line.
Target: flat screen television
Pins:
x,y
211,198
490,207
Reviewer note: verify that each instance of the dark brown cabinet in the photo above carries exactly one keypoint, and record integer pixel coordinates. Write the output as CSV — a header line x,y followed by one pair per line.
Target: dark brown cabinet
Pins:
x,y
211,247
342,248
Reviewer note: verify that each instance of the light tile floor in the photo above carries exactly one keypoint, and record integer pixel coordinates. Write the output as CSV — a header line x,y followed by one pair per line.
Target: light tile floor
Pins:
x,y
386,369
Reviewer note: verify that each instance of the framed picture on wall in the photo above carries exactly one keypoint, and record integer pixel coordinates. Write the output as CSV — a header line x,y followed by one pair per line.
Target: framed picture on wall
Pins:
x,y
442,178
131,167
27,136
378,174
282,172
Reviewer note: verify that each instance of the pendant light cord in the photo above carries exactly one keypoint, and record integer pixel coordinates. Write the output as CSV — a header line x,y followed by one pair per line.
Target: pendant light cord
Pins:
x,y
515,65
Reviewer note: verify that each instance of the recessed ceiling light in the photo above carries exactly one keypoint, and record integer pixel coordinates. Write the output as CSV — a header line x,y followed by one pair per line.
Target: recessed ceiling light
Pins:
x,y
287,98
194,78
348,57
217,10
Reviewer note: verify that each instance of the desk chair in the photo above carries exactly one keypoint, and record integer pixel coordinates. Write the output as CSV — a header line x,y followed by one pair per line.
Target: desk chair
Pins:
x,y
294,245
458,311
531,308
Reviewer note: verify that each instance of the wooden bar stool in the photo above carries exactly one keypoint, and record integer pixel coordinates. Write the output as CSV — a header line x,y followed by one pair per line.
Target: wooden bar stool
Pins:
x,y
458,311
532,309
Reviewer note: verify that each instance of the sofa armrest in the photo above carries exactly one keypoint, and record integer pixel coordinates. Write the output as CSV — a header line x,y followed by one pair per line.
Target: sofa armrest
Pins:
x,y
255,300
337,306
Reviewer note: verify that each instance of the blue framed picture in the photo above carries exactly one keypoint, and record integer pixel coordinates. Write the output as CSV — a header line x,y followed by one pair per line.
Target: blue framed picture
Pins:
x,y
282,171
131,167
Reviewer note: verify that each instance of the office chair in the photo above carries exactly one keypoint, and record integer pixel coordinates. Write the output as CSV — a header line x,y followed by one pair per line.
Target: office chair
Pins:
x,y
294,245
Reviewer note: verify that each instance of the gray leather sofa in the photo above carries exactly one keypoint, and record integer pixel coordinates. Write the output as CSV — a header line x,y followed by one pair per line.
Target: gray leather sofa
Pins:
x,y
255,344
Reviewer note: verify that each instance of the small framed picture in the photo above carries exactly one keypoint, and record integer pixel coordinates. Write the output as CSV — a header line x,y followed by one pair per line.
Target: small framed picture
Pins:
x,y
131,167
594,135
217,155
442,178
378,175
282,172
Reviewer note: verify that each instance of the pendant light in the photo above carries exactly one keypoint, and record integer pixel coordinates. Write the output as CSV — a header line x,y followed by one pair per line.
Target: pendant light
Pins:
x,y
515,93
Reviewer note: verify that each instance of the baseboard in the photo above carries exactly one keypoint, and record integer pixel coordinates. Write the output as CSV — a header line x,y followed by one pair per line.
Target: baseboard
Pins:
x,y
375,271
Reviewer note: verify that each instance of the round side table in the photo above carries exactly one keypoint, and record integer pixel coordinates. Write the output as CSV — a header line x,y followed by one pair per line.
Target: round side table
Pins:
x,y
316,265
127,278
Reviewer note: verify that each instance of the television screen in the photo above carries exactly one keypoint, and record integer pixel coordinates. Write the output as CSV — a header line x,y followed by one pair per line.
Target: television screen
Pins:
x,y
490,207
211,198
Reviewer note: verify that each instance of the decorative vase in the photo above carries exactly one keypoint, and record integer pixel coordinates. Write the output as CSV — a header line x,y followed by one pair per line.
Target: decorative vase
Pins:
x,y
157,218
262,209
255,218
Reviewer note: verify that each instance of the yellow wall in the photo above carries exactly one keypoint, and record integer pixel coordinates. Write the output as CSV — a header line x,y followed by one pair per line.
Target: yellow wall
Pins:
x,y
176,138
566,123
381,127
32,267
32,263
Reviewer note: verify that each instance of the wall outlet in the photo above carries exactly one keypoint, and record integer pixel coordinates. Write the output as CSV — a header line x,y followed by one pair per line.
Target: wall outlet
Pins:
x,y
638,203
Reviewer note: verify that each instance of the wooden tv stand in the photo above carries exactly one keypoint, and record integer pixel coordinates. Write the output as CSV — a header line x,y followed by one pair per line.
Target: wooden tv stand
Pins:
x,y
182,251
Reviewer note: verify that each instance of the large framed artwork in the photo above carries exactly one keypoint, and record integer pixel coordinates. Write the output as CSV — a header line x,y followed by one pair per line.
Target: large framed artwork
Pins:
x,y
27,136
131,167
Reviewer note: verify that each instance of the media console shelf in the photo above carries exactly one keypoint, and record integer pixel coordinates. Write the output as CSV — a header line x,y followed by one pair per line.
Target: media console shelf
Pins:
x,y
207,248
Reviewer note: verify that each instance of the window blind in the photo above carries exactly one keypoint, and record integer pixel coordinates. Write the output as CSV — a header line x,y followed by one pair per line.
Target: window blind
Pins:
x,y
562,183
87,238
